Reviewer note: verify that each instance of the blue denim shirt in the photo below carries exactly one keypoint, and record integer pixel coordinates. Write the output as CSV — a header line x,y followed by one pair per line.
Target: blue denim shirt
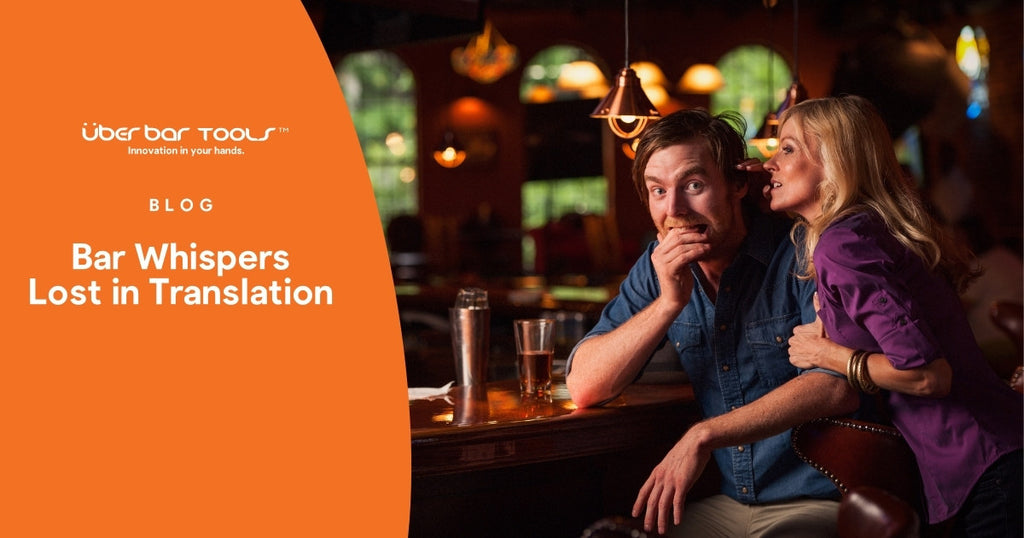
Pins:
x,y
736,350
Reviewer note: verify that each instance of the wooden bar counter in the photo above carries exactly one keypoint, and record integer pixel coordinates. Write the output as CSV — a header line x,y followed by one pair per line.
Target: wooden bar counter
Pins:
x,y
487,462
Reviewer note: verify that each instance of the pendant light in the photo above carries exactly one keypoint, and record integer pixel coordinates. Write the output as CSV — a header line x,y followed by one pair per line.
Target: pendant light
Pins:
x,y
487,57
701,79
796,92
626,106
767,138
449,152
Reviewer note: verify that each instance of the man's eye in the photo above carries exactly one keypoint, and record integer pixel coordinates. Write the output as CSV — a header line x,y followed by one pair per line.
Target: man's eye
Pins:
x,y
694,186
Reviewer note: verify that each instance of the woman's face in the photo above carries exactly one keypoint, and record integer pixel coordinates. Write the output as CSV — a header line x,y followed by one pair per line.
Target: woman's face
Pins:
x,y
795,175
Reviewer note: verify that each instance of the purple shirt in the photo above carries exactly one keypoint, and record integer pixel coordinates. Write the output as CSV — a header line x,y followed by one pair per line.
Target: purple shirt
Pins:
x,y
878,296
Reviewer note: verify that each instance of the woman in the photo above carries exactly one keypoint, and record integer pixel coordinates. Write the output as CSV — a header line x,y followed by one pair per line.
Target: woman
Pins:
x,y
889,311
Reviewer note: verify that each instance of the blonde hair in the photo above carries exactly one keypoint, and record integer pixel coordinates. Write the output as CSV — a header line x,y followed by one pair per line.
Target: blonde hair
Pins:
x,y
861,172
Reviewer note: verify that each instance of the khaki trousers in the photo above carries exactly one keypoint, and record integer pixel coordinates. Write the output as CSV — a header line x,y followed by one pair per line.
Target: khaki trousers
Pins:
x,y
721,516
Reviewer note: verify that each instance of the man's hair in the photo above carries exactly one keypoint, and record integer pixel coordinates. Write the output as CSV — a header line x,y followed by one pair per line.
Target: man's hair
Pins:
x,y
848,137
720,134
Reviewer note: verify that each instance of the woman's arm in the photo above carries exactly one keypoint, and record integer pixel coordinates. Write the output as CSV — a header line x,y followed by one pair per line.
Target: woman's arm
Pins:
x,y
810,347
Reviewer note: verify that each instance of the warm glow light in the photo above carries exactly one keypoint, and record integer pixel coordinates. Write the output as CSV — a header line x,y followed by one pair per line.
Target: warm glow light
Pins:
x,y
486,58
627,99
767,139
579,75
539,93
657,94
649,74
627,107
449,152
584,78
407,174
968,55
450,157
395,143
701,79
653,82
766,146
629,148
634,125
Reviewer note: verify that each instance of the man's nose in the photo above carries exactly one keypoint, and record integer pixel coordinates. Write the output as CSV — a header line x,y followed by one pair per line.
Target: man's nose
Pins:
x,y
678,203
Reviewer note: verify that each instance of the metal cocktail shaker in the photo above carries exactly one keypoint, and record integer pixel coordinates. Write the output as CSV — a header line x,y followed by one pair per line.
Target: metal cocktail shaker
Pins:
x,y
471,336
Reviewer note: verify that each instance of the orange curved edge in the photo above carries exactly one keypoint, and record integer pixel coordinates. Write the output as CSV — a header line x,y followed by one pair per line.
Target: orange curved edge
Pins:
x,y
174,419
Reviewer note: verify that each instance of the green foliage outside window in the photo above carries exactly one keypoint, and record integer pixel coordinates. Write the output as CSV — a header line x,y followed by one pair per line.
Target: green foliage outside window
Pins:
x,y
380,93
752,88
548,200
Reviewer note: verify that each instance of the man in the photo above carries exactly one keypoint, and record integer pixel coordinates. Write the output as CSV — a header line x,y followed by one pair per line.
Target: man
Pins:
x,y
718,285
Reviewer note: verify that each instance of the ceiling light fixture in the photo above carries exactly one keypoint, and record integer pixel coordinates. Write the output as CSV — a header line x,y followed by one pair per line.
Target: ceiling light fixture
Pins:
x,y
449,154
486,58
626,107
701,79
767,138
796,92
766,141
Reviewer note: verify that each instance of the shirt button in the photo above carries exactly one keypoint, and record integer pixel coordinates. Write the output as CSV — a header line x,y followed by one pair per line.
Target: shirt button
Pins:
x,y
744,490
883,300
722,327
725,368
679,345
778,339
728,288
740,448
903,321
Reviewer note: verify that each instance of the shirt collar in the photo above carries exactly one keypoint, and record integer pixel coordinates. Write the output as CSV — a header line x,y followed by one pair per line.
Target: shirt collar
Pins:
x,y
764,232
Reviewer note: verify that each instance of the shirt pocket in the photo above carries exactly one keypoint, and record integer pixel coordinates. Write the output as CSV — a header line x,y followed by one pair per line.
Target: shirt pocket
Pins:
x,y
769,344
688,341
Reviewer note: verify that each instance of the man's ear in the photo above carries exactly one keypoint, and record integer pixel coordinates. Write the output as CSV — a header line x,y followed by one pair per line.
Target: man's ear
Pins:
x,y
740,189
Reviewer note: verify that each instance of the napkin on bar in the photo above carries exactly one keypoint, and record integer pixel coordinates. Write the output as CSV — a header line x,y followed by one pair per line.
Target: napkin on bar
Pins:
x,y
423,393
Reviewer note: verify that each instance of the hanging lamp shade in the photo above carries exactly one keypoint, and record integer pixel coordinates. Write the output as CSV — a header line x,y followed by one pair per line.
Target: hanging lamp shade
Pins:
x,y
583,77
487,57
767,138
449,153
626,106
795,94
701,79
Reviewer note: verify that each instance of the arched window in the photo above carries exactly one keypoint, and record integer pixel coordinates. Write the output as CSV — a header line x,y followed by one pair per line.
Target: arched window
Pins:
x,y
561,85
380,93
756,81
562,73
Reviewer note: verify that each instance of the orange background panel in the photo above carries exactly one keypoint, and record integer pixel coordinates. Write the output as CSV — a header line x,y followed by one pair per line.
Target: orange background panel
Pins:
x,y
176,420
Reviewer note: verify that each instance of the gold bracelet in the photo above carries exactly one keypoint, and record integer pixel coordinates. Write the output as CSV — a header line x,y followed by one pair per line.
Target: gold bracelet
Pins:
x,y
858,365
851,370
867,384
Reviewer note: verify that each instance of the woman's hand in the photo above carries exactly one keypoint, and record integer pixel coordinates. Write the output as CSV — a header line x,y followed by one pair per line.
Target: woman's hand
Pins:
x,y
752,166
810,347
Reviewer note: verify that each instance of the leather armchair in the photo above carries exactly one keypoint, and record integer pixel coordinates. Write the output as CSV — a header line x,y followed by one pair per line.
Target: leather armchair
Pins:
x,y
875,512
874,468
1009,318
